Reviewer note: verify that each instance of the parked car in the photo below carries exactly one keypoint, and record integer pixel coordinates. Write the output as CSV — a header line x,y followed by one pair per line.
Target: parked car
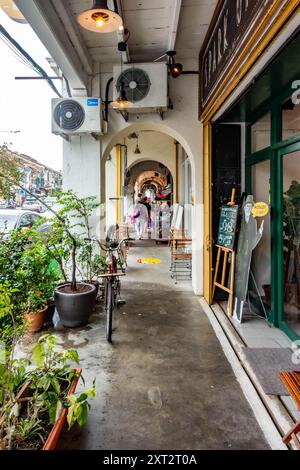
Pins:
x,y
8,204
32,204
12,219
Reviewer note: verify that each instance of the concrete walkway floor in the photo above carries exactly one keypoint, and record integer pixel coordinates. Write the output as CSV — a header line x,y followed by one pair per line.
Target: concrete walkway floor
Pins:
x,y
165,382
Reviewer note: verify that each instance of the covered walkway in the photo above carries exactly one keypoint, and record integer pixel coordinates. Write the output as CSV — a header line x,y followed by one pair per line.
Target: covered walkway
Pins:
x,y
165,383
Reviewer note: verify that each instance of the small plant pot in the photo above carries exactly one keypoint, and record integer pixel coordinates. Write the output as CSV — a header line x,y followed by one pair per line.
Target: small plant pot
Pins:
x,y
75,308
36,320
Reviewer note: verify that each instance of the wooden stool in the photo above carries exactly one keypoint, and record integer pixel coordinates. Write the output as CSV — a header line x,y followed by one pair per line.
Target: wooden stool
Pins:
x,y
291,381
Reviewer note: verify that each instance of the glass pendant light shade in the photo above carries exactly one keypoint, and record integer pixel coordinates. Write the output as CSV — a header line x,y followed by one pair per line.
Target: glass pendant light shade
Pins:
x,y
9,7
100,19
176,70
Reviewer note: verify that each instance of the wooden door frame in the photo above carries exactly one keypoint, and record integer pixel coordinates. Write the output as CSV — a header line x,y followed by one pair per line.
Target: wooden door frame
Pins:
x,y
207,199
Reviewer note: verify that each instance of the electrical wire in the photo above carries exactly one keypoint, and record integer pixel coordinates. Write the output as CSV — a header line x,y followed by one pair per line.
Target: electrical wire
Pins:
x,y
28,59
18,56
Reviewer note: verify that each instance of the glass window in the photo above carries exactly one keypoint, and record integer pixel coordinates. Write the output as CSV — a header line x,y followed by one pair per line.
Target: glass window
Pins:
x,y
261,133
290,119
291,239
7,222
27,220
261,258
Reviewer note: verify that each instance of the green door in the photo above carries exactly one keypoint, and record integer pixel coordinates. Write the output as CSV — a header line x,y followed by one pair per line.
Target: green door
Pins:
x,y
288,245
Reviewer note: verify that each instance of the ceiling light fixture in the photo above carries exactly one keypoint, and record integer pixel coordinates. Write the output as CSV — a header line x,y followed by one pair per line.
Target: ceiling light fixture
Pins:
x,y
122,102
100,18
176,70
9,7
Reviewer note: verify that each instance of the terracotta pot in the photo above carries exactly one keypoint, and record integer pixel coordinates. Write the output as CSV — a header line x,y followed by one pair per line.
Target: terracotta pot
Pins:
x,y
36,320
55,432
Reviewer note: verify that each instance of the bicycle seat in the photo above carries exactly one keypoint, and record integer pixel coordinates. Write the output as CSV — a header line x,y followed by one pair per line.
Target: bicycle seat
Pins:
x,y
112,244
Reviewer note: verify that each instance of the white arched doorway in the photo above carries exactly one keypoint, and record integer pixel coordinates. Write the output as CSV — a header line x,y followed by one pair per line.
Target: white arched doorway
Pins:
x,y
118,139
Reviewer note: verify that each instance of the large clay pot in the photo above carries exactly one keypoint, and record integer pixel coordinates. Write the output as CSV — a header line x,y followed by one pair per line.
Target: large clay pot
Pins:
x,y
94,283
75,308
36,320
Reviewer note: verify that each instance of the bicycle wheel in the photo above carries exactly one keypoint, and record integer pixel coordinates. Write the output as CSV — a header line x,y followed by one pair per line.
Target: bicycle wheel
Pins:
x,y
109,310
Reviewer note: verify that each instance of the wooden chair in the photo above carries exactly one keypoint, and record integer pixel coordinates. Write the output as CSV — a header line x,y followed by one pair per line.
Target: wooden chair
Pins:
x,y
291,381
181,258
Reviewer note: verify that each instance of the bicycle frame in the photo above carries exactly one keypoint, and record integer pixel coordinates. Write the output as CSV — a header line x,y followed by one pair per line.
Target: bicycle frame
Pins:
x,y
112,285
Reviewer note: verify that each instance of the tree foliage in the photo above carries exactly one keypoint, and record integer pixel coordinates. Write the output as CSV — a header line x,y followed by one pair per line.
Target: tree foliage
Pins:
x,y
10,174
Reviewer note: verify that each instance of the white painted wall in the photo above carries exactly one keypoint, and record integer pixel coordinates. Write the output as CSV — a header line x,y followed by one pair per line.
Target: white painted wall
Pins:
x,y
81,169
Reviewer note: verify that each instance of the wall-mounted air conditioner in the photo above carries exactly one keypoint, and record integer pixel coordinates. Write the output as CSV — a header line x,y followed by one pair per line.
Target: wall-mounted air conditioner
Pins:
x,y
146,86
75,116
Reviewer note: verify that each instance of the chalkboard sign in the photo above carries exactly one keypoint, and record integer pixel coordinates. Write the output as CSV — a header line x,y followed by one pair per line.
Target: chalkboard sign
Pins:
x,y
227,226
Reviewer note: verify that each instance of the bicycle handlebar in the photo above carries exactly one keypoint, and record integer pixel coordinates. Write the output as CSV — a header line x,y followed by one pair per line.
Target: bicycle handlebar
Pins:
x,y
104,248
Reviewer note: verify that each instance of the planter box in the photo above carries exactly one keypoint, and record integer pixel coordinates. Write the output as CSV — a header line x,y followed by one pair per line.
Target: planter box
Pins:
x,y
55,432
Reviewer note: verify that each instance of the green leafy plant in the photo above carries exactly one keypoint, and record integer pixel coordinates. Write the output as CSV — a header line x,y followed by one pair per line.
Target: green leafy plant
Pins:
x,y
29,418
291,215
27,264
9,168
29,428
77,213
35,275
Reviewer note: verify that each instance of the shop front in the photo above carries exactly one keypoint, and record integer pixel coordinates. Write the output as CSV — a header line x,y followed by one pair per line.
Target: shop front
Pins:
x,y
250,109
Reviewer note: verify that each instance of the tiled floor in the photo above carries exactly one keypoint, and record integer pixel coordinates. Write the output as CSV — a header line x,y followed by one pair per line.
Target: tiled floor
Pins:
x,y
257,333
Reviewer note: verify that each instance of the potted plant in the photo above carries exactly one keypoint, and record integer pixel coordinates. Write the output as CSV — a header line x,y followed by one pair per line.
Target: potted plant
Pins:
x,y
36,279
38,395
26,264
80,210
74,300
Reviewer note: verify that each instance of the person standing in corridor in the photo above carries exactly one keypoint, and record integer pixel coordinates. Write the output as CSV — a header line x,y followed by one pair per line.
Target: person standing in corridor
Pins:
x,y
139,218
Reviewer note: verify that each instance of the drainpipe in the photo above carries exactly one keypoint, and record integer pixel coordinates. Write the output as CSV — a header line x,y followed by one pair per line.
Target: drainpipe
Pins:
x,y
118,183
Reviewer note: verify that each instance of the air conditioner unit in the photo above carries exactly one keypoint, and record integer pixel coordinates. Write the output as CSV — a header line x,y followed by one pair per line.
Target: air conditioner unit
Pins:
x,y
75,116
146,86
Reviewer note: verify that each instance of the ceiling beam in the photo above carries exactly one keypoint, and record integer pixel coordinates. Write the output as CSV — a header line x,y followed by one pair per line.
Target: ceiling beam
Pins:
x,y
174,24
45,21
74,33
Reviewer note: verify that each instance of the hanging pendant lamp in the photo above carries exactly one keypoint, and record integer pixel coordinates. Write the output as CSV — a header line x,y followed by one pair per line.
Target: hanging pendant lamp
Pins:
x,y
100,18
137,150
122,101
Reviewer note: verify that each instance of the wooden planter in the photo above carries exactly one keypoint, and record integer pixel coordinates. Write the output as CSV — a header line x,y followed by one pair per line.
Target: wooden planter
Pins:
x,y
55,432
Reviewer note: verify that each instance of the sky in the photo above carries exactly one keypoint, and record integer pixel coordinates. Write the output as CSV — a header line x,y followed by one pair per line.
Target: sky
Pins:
x,y
25,105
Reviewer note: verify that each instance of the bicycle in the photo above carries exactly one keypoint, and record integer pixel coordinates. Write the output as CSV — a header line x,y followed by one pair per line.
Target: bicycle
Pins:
x,y
112,286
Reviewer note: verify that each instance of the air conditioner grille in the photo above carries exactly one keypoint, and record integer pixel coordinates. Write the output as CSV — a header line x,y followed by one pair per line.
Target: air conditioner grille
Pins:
x,y
69,115
137,84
